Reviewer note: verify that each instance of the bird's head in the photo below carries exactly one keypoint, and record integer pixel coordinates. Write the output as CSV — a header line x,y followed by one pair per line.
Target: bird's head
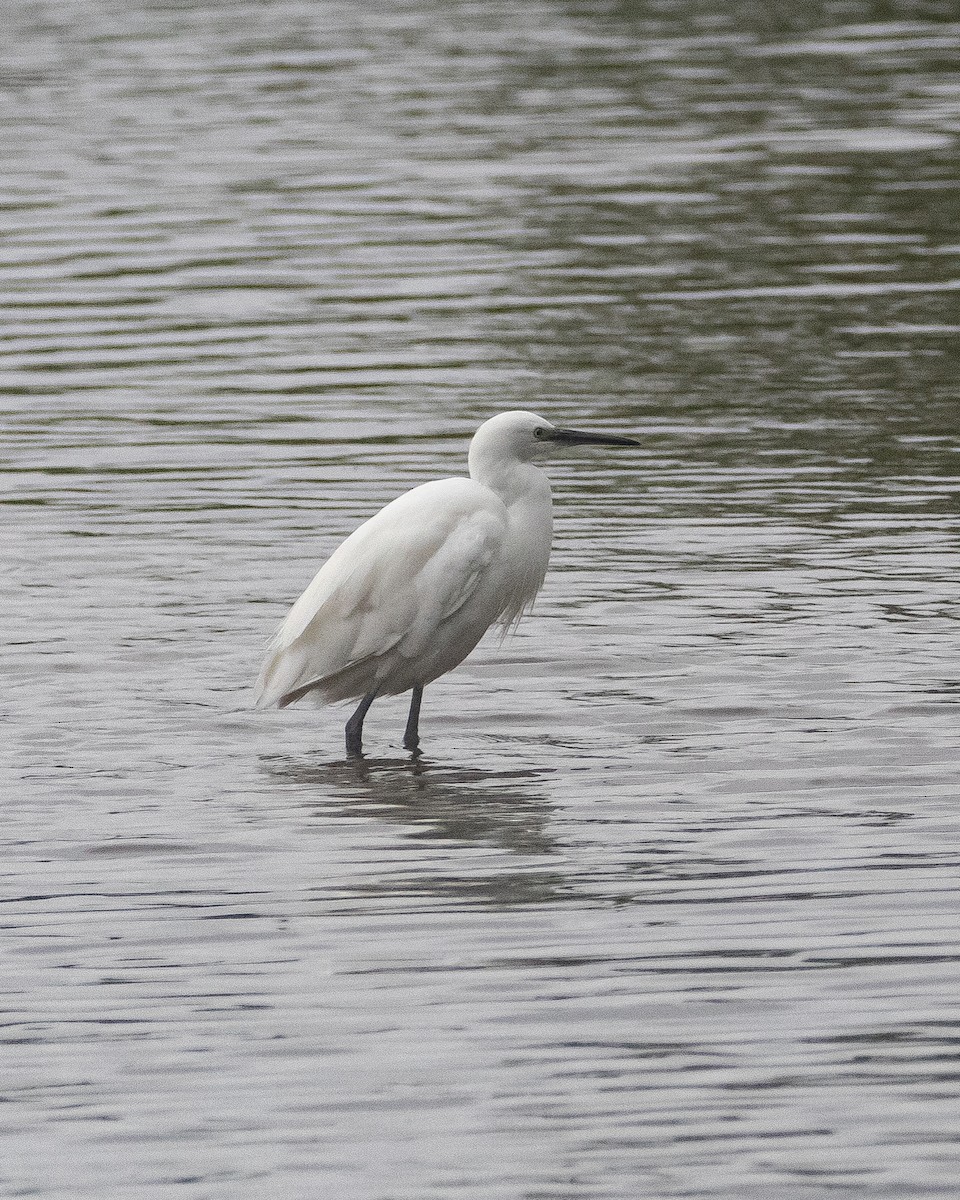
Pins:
x,y
523,436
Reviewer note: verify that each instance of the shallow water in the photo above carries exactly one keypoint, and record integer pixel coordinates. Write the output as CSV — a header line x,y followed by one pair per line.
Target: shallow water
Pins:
x,y
669,907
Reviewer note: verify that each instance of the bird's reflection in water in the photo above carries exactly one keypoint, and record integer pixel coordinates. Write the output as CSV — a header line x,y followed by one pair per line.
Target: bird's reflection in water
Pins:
x,y
435,801
442,807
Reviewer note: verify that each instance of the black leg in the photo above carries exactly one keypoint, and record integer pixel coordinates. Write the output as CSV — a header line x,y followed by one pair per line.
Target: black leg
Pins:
x,y
411,735
355,725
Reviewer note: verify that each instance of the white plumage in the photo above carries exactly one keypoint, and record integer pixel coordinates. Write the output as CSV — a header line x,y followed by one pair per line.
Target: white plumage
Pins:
x,y
409,594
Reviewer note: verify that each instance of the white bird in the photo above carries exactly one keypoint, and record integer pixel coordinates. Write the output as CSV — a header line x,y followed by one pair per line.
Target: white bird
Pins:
x,y
410,593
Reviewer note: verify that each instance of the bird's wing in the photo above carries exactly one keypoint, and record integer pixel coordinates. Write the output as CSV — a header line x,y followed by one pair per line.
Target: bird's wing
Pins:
x,y
388,586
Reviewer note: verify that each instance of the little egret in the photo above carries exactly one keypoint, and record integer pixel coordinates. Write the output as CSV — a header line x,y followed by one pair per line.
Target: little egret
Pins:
x,y
410,593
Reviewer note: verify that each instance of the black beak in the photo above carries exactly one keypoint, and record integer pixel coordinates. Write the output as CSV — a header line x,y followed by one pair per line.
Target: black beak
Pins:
x,y
576,437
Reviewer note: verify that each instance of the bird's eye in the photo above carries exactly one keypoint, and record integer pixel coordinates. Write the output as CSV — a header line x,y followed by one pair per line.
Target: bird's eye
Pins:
x,y
539,432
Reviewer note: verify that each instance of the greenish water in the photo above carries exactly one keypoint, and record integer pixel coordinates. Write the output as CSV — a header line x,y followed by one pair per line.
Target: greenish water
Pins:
x,y
669,907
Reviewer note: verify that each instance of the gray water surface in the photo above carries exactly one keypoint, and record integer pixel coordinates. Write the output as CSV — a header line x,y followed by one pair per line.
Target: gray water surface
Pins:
x,y
669,906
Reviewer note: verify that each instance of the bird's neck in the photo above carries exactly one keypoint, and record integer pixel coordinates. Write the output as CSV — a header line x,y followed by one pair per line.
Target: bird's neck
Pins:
x,y
516,483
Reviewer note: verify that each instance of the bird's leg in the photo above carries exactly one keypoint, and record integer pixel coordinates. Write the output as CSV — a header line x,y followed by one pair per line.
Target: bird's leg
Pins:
x,y
411,735
355,725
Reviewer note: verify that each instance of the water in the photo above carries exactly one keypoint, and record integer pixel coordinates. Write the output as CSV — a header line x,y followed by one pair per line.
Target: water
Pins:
x,y
669,906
